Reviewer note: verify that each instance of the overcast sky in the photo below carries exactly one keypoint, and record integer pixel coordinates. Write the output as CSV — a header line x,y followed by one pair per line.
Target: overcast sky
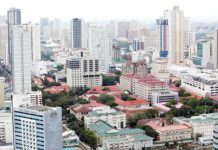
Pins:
x,y
32,10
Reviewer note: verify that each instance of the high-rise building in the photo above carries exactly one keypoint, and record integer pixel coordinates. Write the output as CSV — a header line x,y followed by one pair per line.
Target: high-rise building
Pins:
x,y
6,129
138,45
13,18
37,127
83,71
175,19
77,33
4,43
100,45
56,29
123,28
21,58
44,28
162,37
2,91
35,38
215,49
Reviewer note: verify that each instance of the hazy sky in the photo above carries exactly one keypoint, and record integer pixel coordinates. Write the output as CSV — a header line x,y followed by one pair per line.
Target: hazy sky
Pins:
x,y
32,10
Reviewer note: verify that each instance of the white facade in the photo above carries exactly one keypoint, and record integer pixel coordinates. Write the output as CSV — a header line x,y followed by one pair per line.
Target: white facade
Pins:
x,y
21,58
150,40
215,49
35,36
6,130
4,42
83,71
176,35
100,45
215,136
2,91
37,127
111,116
200,83
204,124
32,98
159,97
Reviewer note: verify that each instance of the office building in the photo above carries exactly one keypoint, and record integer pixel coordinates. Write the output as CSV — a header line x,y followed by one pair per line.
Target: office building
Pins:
x,y
159,97
83,70
37,127
77,33
113,117
175,19
162,30
21,58
203,54
13,18
150,40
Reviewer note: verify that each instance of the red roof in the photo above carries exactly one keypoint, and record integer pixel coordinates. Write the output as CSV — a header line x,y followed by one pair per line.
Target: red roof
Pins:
x,y
57,89
99,89
145,79
85,107
93,97
121,102
50,79
37,81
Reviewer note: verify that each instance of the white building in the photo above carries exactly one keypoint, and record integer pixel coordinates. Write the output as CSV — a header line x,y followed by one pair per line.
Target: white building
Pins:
x,y
159,97
215,136
32,98
142,86
4,42
111,116
83,71
215,49
200,83
6,130
175,19
150,40
204,124
2,91
100,45
37,127
21,58
35,37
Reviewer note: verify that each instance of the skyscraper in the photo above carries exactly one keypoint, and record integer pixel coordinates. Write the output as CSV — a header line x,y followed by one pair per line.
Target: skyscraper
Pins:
x,y
44,28
162,36
4,43
77,33
35,41
100,45
37,128
13,18
2,91
215,49
175,19
21,58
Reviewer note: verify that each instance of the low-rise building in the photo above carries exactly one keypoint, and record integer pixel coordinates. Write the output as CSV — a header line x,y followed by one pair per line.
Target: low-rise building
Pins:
x,y
113,117
70,138
123,139
215,136
159,97
171,132
204,124
142,86
6,130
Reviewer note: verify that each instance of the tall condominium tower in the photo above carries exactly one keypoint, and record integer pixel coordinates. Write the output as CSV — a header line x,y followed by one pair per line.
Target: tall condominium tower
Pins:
x,y
175,19
215,49
13,18
100,45
4,42
83,70
21,58
35,41
44,28
37,128
77,33
162,36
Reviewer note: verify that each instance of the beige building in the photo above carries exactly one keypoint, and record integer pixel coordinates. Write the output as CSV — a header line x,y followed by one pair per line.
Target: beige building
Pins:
x,y
142,86
172,132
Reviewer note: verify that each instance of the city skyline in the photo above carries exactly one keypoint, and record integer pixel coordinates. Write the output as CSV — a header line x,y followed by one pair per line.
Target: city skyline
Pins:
x,y
138,9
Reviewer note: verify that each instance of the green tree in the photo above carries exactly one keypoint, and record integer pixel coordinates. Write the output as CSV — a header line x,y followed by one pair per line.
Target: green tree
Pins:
x,y
149,131
105,99
181,92
151,113
108,80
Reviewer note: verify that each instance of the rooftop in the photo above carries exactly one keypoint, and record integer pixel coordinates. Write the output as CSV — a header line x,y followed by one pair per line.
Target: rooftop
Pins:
x,y
204,118
104,111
